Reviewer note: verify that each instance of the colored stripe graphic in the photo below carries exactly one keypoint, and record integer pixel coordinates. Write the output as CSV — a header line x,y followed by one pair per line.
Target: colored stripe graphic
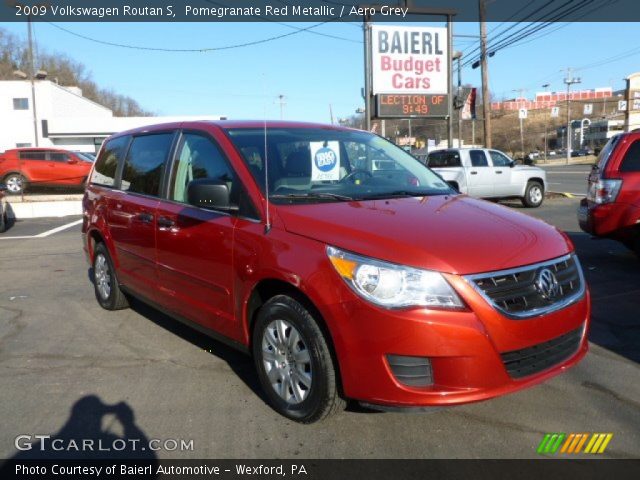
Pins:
x,y
573,443
551,442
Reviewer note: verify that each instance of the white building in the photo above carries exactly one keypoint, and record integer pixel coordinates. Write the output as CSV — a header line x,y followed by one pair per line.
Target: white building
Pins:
x,y
65,119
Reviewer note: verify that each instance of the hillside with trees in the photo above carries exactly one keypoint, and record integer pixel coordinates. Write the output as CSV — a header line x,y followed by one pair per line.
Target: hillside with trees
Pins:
x,y
65,71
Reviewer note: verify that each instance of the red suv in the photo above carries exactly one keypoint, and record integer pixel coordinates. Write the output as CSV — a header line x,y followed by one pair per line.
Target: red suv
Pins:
x,y
612,206
21,167
344,266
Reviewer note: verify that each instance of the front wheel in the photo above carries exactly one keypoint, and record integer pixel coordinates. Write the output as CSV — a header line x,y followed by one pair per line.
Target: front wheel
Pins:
x,y
15,183
294,362
533,195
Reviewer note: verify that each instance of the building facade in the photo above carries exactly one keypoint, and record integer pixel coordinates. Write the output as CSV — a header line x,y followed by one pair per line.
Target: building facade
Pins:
x,y
63,117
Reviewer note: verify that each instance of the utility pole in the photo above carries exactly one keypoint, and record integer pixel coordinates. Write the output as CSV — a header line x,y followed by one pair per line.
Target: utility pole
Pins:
x,y
32,72
282,104
569,80
485,74
331,113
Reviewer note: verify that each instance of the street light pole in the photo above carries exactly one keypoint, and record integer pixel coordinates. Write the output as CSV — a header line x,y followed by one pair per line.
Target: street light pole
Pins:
x,y
458,57
546,126
570,80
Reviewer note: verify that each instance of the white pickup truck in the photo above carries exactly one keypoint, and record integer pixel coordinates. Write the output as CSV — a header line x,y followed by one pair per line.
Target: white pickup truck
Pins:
x,y
487,173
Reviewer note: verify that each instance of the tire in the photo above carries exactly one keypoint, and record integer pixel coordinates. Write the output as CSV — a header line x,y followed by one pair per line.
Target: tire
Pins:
x,y
15,183
533,195
3,220
304,387
105,282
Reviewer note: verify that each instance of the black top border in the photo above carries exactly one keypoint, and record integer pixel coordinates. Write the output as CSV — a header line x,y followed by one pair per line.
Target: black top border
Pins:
x,y
318,11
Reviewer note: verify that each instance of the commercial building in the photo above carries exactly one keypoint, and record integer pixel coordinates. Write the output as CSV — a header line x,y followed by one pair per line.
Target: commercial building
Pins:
x,y
551,99
64,118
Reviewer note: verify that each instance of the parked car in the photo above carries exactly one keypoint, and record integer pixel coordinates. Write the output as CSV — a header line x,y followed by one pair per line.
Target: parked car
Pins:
x,y
21,167
4,218
380,285
612,206
487,173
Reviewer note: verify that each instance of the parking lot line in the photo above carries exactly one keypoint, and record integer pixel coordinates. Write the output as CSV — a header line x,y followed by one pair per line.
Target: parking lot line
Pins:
x,y
47,233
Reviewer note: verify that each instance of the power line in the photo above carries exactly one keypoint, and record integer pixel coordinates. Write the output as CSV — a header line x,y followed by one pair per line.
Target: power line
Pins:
x,y
187,50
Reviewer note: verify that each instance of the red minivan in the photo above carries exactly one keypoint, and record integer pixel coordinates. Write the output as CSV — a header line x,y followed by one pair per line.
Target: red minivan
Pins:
x,y
612,206
345,267
21,167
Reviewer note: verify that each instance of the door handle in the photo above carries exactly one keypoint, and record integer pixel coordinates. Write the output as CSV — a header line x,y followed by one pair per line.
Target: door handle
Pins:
x,y
473,172
164,222
499,171
145,217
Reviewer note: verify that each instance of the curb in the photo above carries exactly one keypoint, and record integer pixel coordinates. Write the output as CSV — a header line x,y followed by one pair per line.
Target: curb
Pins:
x,y
568,195
20,210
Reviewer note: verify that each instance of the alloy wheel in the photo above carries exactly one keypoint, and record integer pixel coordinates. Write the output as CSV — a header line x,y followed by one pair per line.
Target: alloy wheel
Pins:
x,y
102,276
286,361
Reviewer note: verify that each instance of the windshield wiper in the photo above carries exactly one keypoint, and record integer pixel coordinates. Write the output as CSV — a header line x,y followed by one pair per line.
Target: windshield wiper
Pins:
x,y
401,193
311,196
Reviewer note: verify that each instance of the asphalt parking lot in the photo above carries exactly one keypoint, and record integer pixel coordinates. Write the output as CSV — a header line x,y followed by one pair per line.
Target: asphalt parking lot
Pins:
x,y
72,370
567,178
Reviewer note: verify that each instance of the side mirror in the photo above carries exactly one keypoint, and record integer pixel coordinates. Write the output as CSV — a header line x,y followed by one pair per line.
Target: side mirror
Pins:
x,y
512,164
209,193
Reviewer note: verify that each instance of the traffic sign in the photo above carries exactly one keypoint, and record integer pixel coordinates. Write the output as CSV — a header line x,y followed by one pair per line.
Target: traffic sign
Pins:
x,y
622,106
522,113
588,108
555,111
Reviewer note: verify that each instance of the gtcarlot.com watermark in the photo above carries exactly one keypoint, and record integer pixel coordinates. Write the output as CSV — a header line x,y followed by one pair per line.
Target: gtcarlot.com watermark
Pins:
x,y
45,443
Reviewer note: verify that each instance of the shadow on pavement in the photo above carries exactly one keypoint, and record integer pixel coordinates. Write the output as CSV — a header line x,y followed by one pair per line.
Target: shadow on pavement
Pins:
x,y
613,275
90,433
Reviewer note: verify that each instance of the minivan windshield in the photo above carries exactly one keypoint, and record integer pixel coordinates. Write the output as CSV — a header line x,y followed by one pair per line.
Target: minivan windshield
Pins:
x,y
311,165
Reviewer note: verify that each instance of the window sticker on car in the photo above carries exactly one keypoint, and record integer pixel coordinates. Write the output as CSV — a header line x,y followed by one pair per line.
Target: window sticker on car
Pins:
x,y
325,161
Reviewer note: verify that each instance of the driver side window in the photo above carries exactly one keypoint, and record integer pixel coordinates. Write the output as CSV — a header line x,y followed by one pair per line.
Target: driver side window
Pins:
x,y
499,159
198,158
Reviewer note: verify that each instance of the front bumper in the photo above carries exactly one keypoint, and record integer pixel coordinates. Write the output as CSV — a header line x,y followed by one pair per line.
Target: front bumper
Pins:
x,y
464,348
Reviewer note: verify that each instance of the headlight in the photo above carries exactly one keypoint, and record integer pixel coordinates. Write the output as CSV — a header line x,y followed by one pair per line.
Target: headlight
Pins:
x,y
391,285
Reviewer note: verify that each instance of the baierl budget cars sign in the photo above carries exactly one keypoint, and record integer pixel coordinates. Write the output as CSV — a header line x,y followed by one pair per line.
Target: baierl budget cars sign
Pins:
x,y
409,60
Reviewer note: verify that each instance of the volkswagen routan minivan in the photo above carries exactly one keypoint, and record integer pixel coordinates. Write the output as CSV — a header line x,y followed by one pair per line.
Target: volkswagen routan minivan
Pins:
x,y
345,267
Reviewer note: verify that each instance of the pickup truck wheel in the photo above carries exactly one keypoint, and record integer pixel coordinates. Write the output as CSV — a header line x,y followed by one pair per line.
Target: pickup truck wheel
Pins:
x,y
105,282
294,362
533,195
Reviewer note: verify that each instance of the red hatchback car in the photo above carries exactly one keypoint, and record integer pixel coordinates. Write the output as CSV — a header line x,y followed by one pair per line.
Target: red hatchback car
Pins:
x,y
344,266
22,167
612,206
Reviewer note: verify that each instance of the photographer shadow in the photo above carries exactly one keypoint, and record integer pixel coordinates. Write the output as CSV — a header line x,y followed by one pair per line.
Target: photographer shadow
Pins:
x,y
91,433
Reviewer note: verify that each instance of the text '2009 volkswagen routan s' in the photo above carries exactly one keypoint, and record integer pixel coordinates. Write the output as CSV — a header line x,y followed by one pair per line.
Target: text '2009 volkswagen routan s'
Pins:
x,y
344,266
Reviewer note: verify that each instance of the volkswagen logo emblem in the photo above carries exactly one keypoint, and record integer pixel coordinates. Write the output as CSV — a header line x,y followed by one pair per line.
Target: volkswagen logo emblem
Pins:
x,y
547,284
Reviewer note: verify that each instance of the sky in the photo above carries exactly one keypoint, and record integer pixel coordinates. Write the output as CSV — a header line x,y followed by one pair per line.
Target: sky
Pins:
x,y
312,71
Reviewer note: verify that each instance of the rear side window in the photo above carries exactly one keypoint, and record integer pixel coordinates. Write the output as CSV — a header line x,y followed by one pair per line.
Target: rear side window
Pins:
x,y
631,160
33,155
444,159
144,166
106,165
478,158
58,157
603,158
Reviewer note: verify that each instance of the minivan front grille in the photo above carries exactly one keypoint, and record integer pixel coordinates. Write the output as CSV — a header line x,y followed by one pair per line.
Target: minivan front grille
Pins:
x,y
532,290
531,360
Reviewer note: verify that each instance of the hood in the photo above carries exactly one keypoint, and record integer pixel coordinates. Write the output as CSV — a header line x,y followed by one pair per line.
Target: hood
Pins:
x,y
454,234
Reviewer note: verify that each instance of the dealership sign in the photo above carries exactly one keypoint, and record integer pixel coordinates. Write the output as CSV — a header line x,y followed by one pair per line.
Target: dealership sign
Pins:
x,y
409,60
